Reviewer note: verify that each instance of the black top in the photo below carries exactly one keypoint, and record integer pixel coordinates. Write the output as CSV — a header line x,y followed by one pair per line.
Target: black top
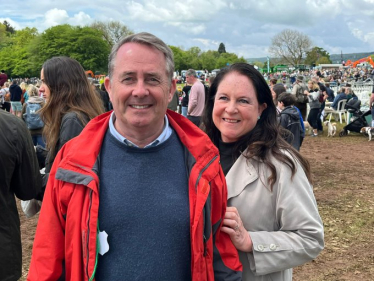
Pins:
x,y
228,155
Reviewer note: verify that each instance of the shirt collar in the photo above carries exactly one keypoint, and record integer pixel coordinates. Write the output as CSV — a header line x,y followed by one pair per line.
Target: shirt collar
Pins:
x,y
166,133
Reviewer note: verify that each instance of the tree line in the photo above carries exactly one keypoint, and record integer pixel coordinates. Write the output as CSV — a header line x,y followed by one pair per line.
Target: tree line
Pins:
x,y
23,52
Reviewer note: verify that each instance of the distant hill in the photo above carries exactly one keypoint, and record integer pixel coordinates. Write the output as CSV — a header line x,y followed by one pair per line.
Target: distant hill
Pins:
x,y
335,58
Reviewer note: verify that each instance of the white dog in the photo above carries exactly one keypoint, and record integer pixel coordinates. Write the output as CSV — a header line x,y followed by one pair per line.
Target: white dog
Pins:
x,y
331,128
368,130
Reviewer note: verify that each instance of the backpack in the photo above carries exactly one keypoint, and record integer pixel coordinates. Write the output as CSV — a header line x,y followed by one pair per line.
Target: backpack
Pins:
x,y
32,117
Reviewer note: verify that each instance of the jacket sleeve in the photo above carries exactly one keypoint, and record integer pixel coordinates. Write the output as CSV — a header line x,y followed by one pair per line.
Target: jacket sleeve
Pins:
x,y
300,236
49,246
226,264
26,181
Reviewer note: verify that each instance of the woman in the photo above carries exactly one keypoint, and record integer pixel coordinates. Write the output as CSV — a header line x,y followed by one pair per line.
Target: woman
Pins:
x,y
273,218
36,128
70,104
313,94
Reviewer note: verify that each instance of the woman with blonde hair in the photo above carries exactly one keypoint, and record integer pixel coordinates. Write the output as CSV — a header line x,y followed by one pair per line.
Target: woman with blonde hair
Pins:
x,y
70,104
25,95
313,94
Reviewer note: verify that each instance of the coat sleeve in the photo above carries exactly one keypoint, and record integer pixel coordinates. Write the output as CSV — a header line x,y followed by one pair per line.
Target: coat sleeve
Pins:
x,y
26,181
49,246
300,236
226,264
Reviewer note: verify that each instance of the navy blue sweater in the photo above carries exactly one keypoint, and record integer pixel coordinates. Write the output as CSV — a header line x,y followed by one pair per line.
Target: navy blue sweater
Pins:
x,y
144,209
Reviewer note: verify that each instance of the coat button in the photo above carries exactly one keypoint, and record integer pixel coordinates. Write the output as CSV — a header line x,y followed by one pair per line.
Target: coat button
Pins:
x,y
260,248
273,247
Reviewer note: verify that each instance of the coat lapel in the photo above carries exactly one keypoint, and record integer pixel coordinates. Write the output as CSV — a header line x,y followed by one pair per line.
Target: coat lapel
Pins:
x,y
240,175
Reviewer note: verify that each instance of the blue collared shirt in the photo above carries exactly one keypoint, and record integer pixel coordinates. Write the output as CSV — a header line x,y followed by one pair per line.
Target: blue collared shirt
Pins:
x,y
166,133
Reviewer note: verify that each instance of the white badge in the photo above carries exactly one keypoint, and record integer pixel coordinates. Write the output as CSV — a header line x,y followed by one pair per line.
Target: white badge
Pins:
x,y
104,246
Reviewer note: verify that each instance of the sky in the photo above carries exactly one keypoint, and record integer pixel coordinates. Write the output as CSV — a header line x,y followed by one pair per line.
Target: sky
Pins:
x,y
245,27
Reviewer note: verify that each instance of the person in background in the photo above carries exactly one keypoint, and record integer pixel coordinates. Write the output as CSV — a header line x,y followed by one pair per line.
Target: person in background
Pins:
x,y
36,134
185,94
298,90
105,98
24,96
313,94
371,104
290,119
19,178
196,98
70,103
173,104
330,92
15,98
272,217
3,78
104,191
5,96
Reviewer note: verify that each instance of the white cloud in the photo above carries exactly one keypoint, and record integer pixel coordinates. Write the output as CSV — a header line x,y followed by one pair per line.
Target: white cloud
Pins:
x,y
245,27
55,17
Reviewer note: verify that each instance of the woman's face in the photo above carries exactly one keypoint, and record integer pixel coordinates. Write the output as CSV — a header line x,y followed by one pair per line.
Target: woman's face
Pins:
x,y
310,85
236,109
44,89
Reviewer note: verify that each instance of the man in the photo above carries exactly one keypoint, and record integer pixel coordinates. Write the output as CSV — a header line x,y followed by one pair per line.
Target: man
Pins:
x,y
20,177
162,195
196,99
298,90
330,93
3,78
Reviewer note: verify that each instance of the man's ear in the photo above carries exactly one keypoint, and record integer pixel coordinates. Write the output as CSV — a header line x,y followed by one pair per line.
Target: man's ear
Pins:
x,y
107,86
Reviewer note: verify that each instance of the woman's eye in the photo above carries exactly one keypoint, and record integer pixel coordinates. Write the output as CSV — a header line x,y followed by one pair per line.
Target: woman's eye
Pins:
x,y
244,101
222,98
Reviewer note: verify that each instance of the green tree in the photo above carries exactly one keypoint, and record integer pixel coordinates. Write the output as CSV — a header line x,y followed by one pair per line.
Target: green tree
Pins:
x,y
221,48
208,59
84,44
315,55
9,28
193,58
228,58
290,46
180,59
112,31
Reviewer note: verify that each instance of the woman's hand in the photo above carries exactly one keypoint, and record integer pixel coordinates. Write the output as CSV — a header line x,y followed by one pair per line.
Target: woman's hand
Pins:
x,y
233,226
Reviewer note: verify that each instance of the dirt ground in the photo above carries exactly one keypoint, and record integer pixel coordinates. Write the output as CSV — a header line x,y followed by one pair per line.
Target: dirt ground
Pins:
x,y
344,188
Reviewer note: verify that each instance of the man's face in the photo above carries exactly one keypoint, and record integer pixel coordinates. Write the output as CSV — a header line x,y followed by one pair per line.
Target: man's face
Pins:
x,y
189,79
140,90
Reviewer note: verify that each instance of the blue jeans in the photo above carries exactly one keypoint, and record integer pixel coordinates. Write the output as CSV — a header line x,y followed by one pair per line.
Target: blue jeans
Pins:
x,y
38,139
184,111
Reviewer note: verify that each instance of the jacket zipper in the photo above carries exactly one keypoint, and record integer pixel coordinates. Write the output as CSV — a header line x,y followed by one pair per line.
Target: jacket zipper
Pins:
x,y
88,234
197,182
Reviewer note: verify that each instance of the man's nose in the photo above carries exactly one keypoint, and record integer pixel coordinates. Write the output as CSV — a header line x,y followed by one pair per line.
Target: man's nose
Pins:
x,y
140,89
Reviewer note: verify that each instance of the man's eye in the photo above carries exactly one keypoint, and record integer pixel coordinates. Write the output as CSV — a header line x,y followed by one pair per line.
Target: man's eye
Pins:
x,y
153,80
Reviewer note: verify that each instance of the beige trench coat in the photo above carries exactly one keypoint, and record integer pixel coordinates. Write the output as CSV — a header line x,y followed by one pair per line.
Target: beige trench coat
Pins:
x,y
284,224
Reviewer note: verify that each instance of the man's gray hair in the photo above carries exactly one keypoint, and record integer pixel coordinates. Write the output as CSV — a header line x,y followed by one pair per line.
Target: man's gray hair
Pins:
x,y
148,39
191,72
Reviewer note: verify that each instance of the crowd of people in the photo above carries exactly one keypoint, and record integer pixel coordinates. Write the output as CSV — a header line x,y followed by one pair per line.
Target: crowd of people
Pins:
x,y
133,187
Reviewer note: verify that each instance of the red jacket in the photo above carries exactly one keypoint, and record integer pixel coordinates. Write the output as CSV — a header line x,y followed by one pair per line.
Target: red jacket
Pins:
x,y
67,227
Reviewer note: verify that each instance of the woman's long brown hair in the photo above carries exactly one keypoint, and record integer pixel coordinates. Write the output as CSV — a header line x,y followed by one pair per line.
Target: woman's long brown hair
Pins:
x,y
70,91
